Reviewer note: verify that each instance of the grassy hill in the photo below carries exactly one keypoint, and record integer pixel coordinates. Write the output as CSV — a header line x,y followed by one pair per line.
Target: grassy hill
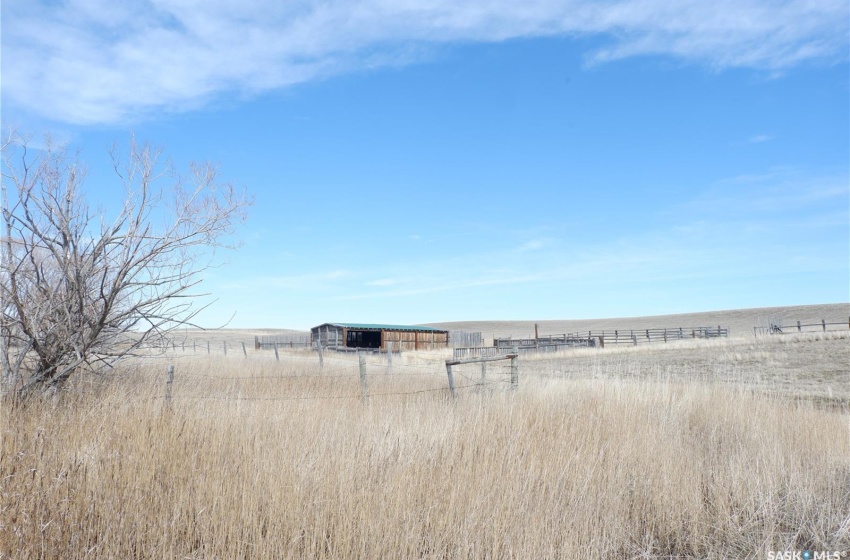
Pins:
x,y
739,321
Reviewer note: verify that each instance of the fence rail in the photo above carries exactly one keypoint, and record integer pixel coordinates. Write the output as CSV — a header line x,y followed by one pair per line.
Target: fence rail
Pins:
x,y
496,351
617,336
821,326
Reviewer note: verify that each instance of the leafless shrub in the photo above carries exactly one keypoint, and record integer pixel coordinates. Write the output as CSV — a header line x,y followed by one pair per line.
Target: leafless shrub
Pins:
x,y
80,290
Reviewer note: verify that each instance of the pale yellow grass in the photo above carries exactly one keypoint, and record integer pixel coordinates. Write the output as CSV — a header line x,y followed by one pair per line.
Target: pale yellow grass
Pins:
x,y
625,453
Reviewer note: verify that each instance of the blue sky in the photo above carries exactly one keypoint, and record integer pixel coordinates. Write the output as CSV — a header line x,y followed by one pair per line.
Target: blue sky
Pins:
x,y
423,162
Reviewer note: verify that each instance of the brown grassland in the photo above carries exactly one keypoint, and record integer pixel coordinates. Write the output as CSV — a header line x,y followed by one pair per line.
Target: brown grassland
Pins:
x,y
693,449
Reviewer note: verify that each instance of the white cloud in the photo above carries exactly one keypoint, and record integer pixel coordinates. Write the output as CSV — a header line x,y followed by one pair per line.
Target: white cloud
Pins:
x,y
94,61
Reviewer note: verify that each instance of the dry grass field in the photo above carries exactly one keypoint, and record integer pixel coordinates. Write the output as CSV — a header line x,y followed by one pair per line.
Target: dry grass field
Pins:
x,y
693,449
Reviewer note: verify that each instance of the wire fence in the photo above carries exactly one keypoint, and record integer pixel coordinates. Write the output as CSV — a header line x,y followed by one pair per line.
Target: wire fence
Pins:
x,y
326,379
823,325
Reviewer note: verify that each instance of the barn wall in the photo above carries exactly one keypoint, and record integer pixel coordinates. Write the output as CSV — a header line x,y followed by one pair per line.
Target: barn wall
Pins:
x,y
403,338
415,340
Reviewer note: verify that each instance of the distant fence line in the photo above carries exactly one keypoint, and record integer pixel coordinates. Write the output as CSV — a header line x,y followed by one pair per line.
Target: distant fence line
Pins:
x,y
617,336
470,344
822,326
282,341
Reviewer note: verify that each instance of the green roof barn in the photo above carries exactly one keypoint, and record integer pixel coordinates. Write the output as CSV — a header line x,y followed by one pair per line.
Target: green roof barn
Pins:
x,y
377,336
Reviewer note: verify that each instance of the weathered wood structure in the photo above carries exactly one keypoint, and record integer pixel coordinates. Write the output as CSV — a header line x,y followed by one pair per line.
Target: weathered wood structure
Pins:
x,y
376,337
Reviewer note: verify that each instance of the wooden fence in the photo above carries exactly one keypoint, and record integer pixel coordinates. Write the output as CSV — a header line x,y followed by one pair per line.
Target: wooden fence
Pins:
x,y
822,326
617,336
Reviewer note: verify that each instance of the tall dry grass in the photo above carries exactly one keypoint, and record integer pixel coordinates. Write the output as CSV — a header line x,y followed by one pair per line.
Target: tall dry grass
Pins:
x,y
259,460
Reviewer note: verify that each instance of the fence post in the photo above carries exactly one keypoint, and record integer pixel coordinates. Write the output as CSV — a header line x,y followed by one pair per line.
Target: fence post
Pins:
x,y
244,351
389,357
364,384
321,358
634,339
799,328
451,381
169,379
824,324
514,370
276,355
665,335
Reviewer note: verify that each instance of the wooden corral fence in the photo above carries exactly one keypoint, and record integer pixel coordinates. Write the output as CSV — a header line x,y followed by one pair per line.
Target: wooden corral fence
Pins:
x,y
822,326
617,336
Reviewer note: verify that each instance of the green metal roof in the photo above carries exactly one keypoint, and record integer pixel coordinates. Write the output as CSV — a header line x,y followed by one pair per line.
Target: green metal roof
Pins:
x,y
378,327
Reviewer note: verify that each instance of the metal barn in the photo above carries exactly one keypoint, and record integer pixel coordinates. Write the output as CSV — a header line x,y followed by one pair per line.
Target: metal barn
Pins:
x,y
364,335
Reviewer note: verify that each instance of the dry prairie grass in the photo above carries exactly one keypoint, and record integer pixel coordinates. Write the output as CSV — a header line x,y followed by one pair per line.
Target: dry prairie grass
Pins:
x,y
628,453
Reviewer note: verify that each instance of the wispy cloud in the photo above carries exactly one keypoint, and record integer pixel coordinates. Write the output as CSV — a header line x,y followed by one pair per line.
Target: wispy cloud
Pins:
x,y
93,61
383,282
435,283
533,245
315,281
760,138
782,190
785,228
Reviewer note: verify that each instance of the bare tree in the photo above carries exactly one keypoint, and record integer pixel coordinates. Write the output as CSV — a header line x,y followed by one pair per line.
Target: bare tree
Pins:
x,y
78,290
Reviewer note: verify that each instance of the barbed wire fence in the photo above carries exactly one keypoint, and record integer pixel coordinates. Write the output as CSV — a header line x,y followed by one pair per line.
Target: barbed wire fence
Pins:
x,y
324,376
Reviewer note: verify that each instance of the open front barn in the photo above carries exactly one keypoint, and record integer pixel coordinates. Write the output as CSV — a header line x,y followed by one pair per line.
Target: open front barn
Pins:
x,y
361,335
